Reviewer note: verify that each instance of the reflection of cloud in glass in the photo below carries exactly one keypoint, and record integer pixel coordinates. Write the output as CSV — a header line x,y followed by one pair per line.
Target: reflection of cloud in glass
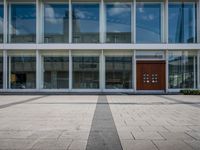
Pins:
x,y
118,9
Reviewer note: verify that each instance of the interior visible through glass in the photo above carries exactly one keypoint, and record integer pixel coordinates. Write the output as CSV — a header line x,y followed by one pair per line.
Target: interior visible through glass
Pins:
x,y
85,72
118,72
56,72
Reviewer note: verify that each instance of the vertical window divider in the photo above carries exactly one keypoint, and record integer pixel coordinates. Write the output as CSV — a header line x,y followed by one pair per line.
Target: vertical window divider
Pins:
x,y
5,70
70,21
5,22
70,70
165,25
166,71
133,18
134,71
102,22
198,21
37,21
38,70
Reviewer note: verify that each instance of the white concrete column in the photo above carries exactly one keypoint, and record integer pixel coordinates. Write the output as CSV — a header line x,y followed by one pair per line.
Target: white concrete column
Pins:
x,y
198,69
165,21
102,23
134,71
133,21
70,21
166,71
198,21
103,72
38,70
70,70
37,21
5,70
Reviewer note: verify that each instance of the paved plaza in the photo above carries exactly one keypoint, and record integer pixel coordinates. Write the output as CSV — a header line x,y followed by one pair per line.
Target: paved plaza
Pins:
x,y
99,122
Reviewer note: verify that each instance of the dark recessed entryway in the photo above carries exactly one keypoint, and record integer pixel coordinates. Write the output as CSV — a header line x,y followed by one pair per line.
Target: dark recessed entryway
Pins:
x,y
150,75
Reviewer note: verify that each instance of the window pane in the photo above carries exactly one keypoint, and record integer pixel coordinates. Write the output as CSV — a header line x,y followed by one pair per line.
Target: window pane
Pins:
x,y
22,72
86,72
118,23
118,72
1,71
1,23
182,23
148,23
85,23
56,23
182,68
23,23
56,72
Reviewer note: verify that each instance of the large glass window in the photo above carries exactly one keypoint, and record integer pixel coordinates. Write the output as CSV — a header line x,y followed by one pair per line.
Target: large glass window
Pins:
x,y
56,72
85,23
86,72
22,28
56,23
182,69
22,72
148,22
182,22
118,20
118,72
1,70
1,23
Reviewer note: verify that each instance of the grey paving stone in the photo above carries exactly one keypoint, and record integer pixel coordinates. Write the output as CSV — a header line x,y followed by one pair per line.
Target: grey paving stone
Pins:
x,y
172,145
176,136
194,144
138,145
147,136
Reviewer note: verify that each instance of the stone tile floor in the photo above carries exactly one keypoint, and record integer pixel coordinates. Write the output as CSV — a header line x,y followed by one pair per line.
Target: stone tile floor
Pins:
x,y
74,122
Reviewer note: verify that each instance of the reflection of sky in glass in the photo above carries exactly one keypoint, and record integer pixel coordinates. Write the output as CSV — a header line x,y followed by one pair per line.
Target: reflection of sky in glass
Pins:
x,y
182,19
56,18
148,22
23,19
118,17
85,17
1,19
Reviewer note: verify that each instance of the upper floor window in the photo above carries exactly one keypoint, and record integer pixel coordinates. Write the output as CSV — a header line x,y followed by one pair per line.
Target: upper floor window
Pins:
x,y
148,22
1,23
22,23
85,23
56,23
118,23
182,22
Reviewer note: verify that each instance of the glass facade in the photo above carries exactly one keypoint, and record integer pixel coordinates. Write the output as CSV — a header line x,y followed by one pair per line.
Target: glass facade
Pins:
x,y
85,23
182,22
1,70
118,72
86,72
118,23
56,23
22,72
22,28
56,72
148,22
1,23
182,69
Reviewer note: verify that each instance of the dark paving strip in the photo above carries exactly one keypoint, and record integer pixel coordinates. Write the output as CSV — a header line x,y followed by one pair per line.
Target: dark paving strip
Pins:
x,y
179,101
103,133
21,102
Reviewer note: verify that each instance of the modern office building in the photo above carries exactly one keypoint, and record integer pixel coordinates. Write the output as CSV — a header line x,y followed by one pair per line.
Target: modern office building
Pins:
x,y
99,45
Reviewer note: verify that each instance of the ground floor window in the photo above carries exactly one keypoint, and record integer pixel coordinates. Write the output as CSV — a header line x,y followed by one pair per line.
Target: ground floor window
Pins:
x,y
182,69
22,72
85,72
56,72
1,70
118,72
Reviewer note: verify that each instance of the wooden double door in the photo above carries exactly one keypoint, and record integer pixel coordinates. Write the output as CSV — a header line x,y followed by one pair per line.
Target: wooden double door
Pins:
x,y
150,75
